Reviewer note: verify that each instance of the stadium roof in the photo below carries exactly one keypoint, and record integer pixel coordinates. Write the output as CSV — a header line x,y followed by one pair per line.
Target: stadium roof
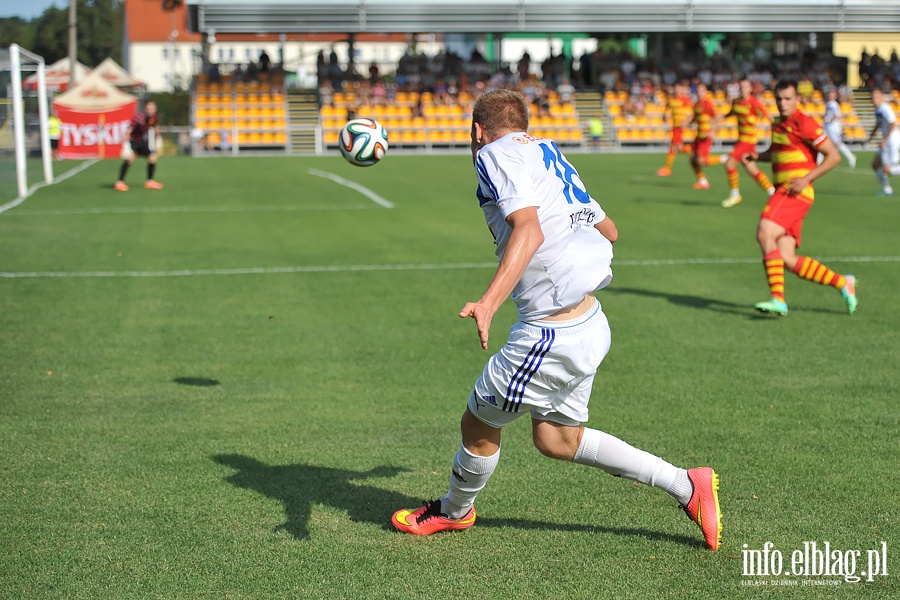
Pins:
x,y
544,16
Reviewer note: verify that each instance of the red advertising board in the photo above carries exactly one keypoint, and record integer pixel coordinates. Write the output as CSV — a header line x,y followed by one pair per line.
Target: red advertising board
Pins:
x,y
93,134
95,117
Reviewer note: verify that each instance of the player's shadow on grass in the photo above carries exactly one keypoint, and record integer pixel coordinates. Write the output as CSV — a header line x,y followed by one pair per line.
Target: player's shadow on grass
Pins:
x,y
300,487
686,300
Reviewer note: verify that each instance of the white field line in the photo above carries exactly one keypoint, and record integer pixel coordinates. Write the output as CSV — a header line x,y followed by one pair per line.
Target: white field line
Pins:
x,y
353,186
37,186
123,210
406,267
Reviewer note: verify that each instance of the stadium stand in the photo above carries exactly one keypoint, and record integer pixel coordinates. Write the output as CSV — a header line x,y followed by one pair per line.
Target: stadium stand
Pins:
x,y
419,119
247,114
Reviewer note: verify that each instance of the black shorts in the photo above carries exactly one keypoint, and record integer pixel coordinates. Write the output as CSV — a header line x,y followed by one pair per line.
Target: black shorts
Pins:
x,y
54,144
141,147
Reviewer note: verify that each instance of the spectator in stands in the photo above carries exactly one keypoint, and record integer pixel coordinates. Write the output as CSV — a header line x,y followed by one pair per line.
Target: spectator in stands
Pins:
x,y
523,67
264,62
565,90
326,93
373,71
379,93
805,88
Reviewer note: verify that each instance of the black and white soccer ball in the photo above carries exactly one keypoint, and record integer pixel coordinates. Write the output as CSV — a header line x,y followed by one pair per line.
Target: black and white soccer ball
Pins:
x,y
363,142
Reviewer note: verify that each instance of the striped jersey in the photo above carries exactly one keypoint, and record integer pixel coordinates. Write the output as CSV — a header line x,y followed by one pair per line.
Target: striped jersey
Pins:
x,y
519,171
680,108
749,113
704,111
794,150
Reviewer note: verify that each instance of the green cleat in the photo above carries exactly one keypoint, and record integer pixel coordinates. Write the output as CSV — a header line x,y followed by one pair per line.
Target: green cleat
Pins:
x,y
774,306
849,293
731,201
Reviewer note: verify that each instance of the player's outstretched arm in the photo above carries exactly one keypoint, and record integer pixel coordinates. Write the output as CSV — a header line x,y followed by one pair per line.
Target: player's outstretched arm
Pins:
x,y
525,239
608,229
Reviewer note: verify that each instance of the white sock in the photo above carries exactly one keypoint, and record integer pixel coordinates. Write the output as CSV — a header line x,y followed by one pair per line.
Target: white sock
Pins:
x,y
470,475
725,158
735,193
846,152
883,180
607,452
771,191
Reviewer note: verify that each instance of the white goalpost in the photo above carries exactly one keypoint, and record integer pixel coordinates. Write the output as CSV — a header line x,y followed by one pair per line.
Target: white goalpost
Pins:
x,y
25,126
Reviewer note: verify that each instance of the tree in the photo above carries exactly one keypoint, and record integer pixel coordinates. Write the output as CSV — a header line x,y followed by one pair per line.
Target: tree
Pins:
x,y
16,31
99,32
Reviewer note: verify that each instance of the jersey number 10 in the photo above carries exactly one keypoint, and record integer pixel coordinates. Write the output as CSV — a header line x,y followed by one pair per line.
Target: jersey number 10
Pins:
x,y
572,184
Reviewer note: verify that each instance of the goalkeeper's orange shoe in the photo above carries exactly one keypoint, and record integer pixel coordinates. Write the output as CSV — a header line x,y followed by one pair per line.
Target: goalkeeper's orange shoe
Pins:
x,y
152,184
703,509
429,519
664,172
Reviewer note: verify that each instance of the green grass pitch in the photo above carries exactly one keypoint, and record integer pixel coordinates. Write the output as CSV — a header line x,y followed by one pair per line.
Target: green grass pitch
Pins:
x,y
225,388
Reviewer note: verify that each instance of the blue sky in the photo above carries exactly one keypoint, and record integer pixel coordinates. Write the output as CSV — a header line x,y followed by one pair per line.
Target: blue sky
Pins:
x,y
28,9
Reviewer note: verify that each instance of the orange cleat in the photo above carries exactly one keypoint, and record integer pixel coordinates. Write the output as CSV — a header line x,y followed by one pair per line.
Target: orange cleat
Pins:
x,y
429,519
703,509
664,172
152,184
701,185
120,186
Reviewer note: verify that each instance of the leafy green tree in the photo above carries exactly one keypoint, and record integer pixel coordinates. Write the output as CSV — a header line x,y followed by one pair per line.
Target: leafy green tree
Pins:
x,y
99,25
16,31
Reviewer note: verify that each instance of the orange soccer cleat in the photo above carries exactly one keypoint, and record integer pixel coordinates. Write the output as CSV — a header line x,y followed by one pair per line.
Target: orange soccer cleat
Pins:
x,y
703,509
664,172
701,185
152,184
429,519
120,186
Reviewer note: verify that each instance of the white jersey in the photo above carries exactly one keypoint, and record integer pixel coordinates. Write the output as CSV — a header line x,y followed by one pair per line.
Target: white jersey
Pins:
x,y
832,112
519,171
884,116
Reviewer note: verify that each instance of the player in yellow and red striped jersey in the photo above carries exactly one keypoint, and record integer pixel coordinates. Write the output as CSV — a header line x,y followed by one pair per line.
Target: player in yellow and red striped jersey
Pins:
x,y
706,118
749,112
796,140
680,108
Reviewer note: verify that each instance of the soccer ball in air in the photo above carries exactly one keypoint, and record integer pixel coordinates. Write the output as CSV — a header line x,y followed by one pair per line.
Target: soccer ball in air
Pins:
x,y
363,142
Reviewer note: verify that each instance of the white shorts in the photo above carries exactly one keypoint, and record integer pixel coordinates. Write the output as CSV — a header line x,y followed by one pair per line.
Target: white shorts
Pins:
x,y
545,369
890,154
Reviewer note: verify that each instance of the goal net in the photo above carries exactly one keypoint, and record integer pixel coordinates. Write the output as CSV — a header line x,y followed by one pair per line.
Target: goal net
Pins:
x,y
25,153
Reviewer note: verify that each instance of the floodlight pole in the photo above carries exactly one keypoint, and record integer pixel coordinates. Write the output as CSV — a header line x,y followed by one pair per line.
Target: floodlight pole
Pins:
x,y
73,43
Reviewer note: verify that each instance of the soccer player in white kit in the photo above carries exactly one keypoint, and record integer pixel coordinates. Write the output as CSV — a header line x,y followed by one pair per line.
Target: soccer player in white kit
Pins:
x,y
887,159
834,127
554,243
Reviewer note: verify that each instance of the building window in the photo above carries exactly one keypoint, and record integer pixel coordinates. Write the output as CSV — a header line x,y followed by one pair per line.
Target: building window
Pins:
x,y
165,53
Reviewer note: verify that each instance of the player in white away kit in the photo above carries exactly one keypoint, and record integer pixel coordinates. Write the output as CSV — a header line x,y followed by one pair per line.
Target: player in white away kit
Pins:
x,y
554,243
834,127
887,159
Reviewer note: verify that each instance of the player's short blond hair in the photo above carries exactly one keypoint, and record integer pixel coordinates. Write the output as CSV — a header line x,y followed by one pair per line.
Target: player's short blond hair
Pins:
x,y
501,110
